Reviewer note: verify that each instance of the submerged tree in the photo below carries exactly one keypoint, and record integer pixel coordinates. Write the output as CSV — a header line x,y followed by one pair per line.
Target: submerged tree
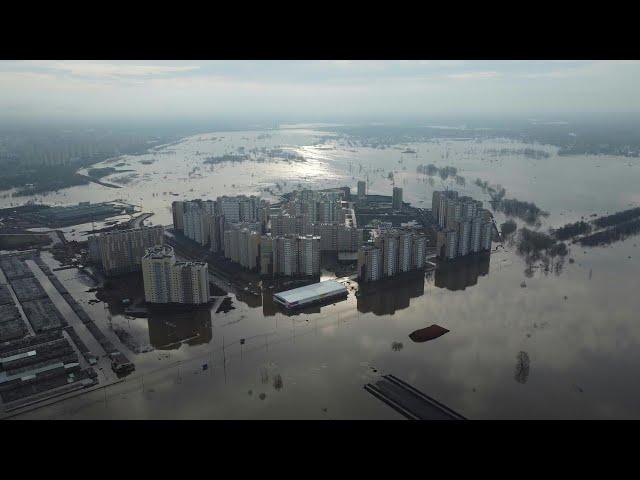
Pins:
x,y
277,382
522,367
508,227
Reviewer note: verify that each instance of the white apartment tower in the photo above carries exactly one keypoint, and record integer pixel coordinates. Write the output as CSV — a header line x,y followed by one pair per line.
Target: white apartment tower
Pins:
x,y
309,255
369,263
362,189
197,215
169,281
405,240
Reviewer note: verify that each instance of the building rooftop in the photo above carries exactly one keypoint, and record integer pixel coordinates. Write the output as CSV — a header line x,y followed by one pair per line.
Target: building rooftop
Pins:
x,y
313,291
159,251
191,264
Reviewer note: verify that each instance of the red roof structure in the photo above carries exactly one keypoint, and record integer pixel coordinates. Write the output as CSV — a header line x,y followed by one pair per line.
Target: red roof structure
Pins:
x,y
428,333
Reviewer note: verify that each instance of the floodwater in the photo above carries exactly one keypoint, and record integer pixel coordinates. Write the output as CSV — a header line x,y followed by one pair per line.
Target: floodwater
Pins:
x,y
565,345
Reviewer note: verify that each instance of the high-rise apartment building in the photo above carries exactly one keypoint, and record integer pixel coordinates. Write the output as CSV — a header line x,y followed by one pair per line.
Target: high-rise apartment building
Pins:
x,y
266,255
476,234
362,190
264,212
393,251
465,227
369,263
120,251
249,255
397,198
328,233
286,224
464,237
388,242
177,209
328,210
285,255
169,281
308,255
239,208
439,203
486,235
197,216
216,232
447,243
418,251
405,244
348,238
296,255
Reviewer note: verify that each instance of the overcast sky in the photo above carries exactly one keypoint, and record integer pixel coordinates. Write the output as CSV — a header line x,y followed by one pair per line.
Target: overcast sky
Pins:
x,y
139,89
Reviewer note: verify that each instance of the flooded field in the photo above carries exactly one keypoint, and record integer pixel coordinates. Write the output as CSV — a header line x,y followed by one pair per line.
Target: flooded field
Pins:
x,y
535,344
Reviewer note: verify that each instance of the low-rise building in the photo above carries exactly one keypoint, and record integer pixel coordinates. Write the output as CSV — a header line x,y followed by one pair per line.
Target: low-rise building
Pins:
x,y
316,292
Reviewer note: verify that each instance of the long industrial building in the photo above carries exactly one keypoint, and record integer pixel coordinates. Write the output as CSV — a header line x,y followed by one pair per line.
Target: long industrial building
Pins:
x,y
316,292
83,212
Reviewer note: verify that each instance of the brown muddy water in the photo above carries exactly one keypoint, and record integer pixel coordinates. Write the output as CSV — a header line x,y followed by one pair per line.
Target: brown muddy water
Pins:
x,y
566,345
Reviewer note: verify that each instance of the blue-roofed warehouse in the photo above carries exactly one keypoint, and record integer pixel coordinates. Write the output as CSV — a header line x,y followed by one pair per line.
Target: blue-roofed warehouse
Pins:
x,y
316,292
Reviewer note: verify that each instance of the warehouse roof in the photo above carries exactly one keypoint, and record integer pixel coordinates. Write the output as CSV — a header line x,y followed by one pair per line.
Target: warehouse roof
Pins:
x,y
315,290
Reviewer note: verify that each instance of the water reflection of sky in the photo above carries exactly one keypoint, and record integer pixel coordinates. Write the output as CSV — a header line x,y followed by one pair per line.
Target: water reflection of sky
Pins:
x,y
582,351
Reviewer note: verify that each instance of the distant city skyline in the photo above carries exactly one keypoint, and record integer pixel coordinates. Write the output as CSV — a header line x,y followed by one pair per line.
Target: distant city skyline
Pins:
x,y
137,90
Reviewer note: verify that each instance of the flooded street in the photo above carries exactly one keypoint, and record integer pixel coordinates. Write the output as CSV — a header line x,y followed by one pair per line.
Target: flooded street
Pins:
x,y
564,345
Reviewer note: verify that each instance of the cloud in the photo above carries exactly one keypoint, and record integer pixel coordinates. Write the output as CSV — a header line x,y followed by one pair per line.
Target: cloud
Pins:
x,y
102,69
473,75
125,70
309,88
582,69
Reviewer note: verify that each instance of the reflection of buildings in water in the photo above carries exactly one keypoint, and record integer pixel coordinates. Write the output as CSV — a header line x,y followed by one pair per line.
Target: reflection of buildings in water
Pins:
x,y
463,272
167,330
269,307
384,297
252,301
